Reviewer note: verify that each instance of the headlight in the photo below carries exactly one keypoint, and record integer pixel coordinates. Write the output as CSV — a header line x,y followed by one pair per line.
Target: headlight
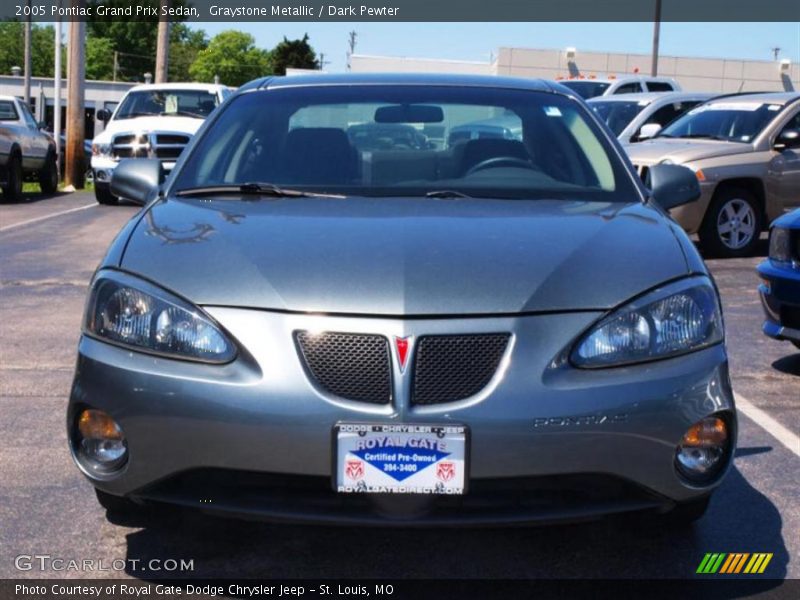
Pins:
x,y
101,149
780,245
128,311
672,320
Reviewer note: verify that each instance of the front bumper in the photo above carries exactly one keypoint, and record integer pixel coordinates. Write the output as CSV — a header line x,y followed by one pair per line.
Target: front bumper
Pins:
x,y
780,299
200,435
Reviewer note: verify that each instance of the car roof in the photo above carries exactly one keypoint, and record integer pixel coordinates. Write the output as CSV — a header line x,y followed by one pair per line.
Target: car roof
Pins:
x,y
211,87
623,78
770,97
648,97
7,97
494,81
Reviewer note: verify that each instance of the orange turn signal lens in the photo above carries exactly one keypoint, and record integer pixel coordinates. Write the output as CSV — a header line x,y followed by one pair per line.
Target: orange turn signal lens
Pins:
x,y
97,425
711,431
700,175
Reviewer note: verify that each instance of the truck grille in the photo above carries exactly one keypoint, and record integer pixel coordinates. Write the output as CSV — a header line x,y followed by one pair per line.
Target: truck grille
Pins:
x,y
448,368
165,146
350,366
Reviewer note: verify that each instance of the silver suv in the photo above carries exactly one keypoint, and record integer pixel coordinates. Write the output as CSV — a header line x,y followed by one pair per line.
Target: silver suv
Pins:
x,y
745,150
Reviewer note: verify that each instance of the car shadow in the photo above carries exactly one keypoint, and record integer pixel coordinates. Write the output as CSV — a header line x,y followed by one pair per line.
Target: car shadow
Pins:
x,y
761,250
739,519
34,197
788,364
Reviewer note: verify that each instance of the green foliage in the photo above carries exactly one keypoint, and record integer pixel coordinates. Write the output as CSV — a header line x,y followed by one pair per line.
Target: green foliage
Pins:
x,y
233,56
12,48
99,58
297,54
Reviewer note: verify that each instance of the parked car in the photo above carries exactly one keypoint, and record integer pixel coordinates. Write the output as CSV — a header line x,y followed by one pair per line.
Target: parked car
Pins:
x,y
630,84
780,276
26,152
745,151
151,121
503,128
403,337
636,117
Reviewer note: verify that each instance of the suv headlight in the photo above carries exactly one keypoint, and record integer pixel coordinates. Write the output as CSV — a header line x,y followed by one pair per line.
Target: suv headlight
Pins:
x,y
674,319
128,311
780,248
101,149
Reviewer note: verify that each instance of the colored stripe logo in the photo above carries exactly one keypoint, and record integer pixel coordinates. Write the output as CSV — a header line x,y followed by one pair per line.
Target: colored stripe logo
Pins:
x,y
734,563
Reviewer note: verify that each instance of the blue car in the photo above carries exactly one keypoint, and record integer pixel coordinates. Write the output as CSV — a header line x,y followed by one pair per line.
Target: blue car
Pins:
x,y
780,275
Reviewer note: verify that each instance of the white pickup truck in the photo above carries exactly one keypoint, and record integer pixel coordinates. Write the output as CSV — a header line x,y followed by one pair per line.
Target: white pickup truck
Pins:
x,y
26,152
151,121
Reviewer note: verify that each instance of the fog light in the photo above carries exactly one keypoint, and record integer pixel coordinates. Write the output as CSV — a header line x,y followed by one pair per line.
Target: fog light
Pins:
x,y
702,450
101,441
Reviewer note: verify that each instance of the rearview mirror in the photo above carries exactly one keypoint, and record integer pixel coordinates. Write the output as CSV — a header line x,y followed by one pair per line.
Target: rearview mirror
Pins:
x,y
789,139
672,185
409,113
138,179
648,131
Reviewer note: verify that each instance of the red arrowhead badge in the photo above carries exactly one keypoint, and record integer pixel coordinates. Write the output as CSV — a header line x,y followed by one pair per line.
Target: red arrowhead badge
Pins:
x,y
402,345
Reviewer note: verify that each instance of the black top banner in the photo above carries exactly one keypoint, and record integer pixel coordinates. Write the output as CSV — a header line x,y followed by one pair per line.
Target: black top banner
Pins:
x,y
237,11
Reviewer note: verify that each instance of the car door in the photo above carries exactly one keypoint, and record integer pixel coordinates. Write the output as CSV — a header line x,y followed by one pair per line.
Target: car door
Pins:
x,y
786,169
35,148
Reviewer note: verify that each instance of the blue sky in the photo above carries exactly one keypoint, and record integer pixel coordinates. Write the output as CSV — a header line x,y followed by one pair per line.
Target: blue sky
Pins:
x,y
476,41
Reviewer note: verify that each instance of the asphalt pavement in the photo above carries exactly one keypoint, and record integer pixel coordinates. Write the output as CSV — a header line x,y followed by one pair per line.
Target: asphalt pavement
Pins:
x,y
49,248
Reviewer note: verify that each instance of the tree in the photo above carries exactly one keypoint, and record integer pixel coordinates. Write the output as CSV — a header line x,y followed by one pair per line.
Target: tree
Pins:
x,y
12,48
233,56
185,45
99,58
297,54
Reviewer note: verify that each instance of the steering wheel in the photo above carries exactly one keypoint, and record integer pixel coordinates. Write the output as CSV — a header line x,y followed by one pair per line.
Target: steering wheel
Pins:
x,y
501,161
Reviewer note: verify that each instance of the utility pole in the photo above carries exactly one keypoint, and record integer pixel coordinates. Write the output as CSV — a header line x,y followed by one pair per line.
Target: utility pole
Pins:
x,y
57,95
75,100
162,47
656,35
116,65
27,66
322,61
776,52
351,44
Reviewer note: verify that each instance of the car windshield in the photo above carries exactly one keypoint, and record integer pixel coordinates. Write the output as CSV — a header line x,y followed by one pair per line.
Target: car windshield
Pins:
x,y
587,89
731,121
395,141
617,114
186,103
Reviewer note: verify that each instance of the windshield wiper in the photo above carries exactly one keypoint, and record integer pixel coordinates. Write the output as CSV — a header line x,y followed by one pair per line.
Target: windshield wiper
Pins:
x,y
447,194
252,188
182,113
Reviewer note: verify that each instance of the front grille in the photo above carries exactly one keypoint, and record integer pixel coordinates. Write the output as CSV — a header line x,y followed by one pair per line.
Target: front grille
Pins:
x,y
164,146
448,368
348,365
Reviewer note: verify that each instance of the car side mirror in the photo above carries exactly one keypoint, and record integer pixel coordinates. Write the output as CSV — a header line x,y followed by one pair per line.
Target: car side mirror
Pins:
x,y
138,179
41,125
648,131
103,115
672,185
789,139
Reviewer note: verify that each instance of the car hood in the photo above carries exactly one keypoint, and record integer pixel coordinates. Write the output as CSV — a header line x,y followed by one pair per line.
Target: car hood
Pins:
x,y
147,124
681,151
406,256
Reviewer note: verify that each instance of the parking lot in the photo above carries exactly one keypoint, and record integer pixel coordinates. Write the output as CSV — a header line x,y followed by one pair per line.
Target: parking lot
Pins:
x,y
49,249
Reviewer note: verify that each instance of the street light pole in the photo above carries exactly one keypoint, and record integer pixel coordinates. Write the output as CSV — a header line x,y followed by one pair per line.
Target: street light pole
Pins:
x,y
57,95
656,35
27,58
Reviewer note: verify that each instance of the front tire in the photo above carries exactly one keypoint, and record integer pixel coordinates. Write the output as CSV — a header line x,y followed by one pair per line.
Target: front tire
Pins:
x,y
103,195
48,176
12,190
732,225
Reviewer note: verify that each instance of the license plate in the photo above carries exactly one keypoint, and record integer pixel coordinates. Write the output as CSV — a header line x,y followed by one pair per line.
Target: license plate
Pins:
x,y
400,459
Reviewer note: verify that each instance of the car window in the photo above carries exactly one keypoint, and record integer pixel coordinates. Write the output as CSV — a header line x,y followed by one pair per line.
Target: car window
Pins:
x,y
7,111
660,86
629,88
617,115
26,114
372,141
191,103
727,120
587,89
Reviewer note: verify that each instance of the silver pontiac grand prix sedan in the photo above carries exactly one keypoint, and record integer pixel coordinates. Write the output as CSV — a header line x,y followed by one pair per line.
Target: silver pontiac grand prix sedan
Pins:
x,y
299,326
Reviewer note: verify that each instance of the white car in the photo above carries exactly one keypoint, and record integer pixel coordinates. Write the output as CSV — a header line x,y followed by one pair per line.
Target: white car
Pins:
x,y
634,84
151,121
26,152
636,117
